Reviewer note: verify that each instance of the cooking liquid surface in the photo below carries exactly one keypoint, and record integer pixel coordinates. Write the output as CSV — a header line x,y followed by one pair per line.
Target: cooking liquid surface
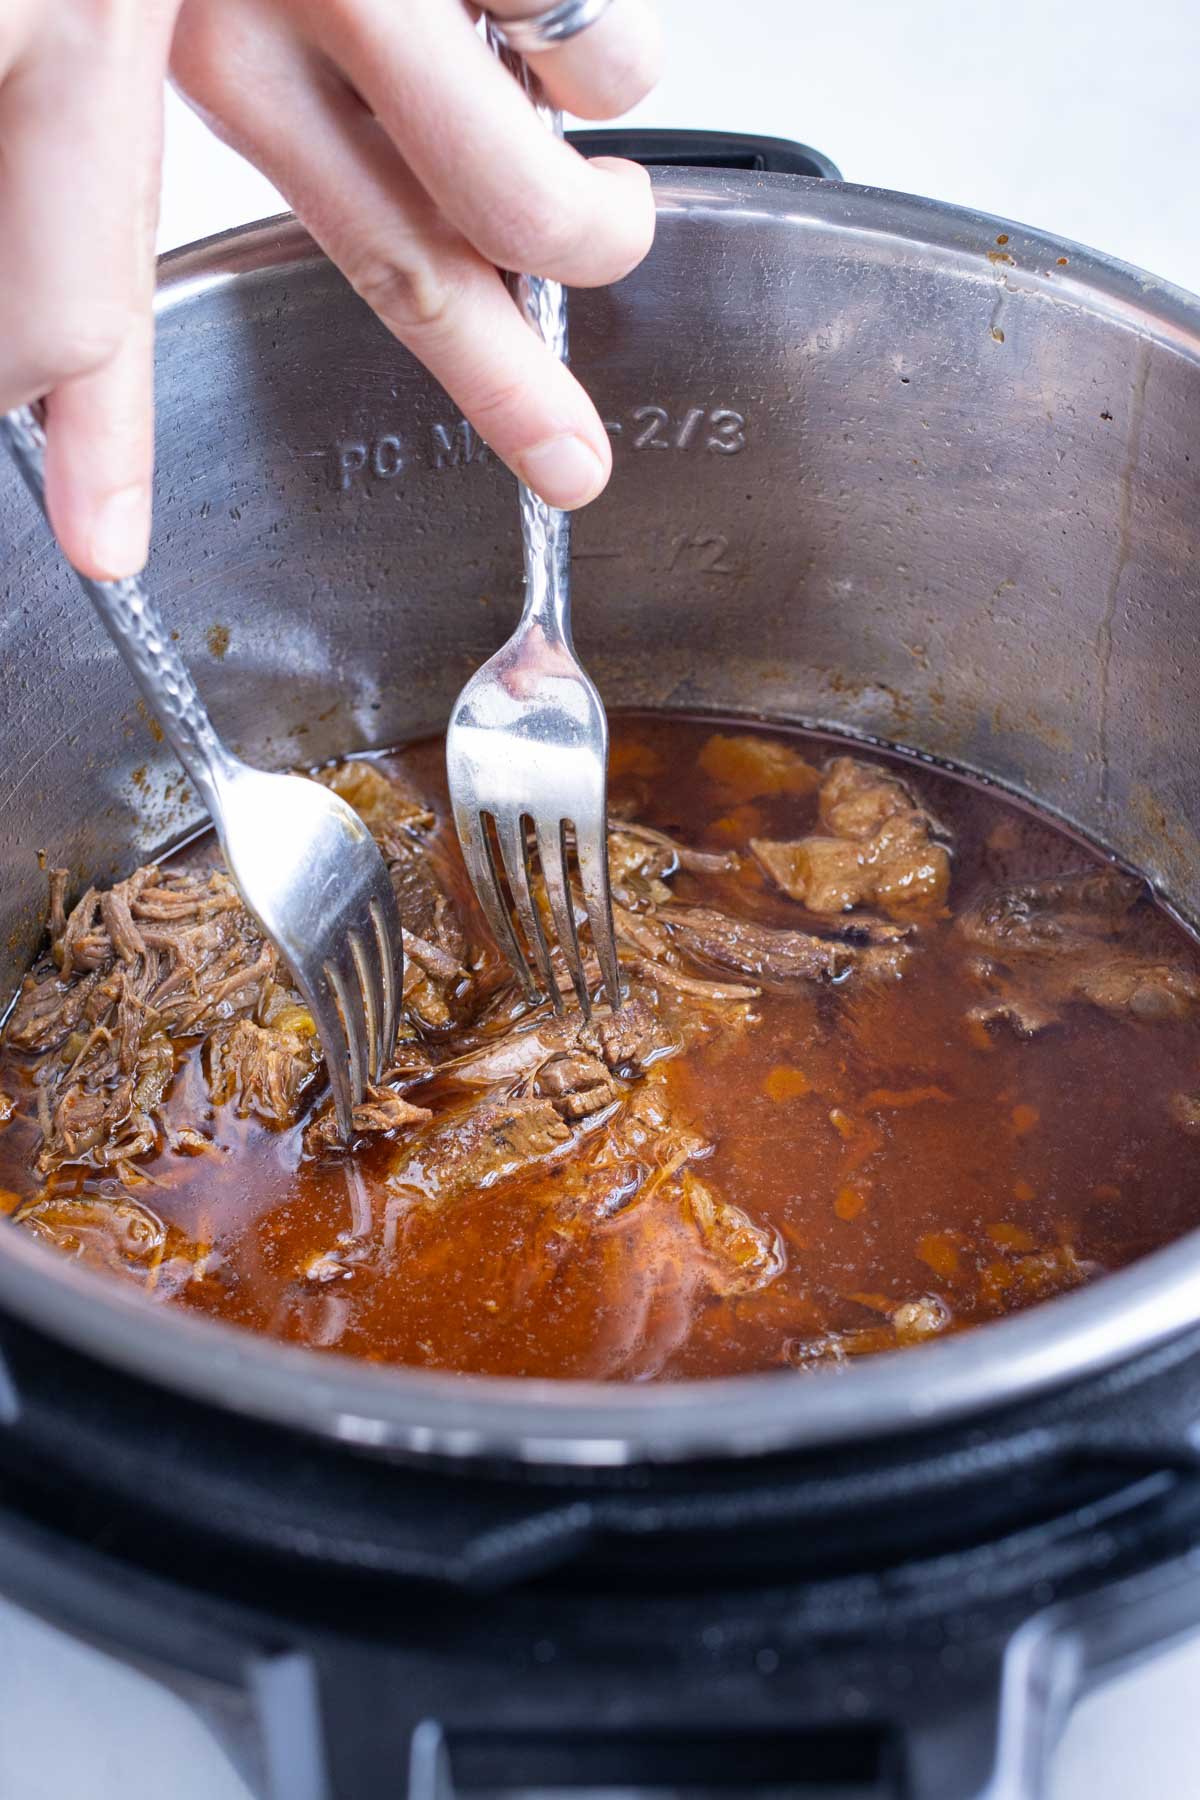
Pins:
x,y
896,1151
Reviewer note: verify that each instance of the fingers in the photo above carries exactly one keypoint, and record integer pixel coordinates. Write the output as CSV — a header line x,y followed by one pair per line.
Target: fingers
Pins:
x,y
467,132
604,70
76,225
333,161
100,459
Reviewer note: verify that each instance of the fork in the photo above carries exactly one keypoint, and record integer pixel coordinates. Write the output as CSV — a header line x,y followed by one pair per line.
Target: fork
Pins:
x,y
527,742
306,866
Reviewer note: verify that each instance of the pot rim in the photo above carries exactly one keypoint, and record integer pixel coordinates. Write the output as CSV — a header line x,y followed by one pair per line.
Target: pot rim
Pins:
x,y
593,1424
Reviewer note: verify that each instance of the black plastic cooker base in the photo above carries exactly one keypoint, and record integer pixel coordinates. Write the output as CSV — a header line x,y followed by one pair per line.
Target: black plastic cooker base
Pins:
x,y
909,1618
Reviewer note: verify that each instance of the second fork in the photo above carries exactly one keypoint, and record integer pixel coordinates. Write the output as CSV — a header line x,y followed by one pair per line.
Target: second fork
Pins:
x,y
527,742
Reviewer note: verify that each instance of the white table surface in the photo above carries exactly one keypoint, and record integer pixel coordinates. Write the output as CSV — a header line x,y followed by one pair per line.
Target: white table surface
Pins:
x,y
1079,116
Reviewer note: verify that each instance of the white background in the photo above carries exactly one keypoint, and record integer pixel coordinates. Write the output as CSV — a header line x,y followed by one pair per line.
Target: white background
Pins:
x,y
1079,116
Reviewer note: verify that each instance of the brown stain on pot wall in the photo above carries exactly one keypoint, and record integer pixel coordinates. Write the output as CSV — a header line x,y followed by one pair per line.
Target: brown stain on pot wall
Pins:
x,y
150,722
218,640
1008,721
1158,831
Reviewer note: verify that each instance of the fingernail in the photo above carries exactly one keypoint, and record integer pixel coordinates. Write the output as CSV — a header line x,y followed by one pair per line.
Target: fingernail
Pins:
x,y
565,471
120,539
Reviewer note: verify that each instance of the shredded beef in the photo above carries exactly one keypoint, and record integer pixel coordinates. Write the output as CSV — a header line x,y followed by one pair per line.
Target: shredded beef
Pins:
x,y
745,1256
638,869
775,954
513,1055
746,765
264,1069
694,987
641,861
108,1233
158,956
170,955
475,1149
436,982
381,1113
437,963
383,803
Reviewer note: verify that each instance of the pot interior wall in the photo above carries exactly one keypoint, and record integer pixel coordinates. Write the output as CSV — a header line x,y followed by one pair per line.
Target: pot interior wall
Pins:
x,y
878,465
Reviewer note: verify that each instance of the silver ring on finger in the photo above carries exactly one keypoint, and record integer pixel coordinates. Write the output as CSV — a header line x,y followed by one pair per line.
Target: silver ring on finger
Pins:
x,y
548,29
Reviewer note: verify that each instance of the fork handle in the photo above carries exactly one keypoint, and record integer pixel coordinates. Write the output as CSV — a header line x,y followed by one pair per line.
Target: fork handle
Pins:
x,y
545,530
132,621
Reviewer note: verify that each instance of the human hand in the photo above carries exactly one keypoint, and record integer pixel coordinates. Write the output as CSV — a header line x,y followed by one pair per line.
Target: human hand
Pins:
x,y
81,85
418,164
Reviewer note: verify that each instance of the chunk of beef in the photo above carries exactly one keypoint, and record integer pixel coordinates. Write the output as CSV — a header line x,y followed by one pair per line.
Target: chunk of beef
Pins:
x,y
384,804
915,1320
747,766
382,1112
638,1156
264,1069
570,1061
1137,985
8,1107
743,1255
879,847
628,1041
1064,912
479,1147
577,1084
1050,944
117,1234
513,1056
774,954
639,1174
856,798
1030,996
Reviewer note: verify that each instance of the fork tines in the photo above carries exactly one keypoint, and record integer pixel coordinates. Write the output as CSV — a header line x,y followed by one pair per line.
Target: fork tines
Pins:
x,y
497,849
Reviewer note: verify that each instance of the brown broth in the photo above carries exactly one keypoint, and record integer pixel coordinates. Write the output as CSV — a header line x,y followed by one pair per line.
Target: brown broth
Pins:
x,y
897,1152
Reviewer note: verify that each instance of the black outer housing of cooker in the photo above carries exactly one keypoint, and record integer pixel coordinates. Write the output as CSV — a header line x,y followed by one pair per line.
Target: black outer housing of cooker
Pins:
x,y
909,1617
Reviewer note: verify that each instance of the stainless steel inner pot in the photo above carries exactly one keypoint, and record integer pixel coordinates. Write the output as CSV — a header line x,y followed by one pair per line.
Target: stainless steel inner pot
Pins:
x,y
881,466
